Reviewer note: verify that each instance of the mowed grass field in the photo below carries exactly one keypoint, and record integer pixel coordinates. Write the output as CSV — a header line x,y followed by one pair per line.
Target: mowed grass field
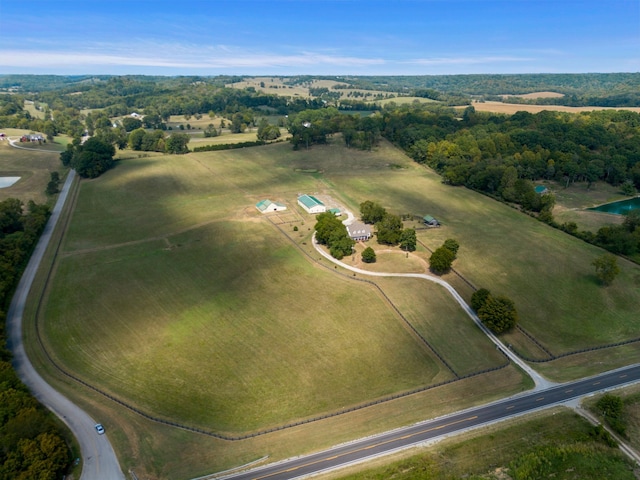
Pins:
x,y
545,271
33,166
173,293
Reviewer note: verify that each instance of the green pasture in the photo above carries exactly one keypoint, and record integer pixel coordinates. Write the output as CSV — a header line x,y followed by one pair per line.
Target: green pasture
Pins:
x,y
226,137
33,166
30,107
180,293
545,271
439,319
173,293
554,444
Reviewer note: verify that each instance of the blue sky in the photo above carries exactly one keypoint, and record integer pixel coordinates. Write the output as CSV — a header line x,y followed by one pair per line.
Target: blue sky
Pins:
x,y
316,37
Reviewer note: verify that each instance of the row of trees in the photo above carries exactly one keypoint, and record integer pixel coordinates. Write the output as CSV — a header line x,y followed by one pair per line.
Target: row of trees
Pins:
x,y
157,141
31,444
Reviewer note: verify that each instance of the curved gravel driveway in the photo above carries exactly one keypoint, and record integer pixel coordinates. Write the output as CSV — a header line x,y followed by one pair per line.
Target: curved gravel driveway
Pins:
x,y
539,380
99,459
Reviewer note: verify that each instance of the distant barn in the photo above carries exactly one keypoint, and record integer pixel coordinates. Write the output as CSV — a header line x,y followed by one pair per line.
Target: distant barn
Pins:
x,y
267,205
430,221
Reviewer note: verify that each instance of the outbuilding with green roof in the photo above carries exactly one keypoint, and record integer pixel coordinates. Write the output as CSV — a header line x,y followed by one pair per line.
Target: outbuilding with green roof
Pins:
x,y
311,204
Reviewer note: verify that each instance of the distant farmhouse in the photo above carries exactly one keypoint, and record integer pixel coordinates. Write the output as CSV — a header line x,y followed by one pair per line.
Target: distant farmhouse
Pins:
x,y
430,221
265,206
311,204
34,137
359,232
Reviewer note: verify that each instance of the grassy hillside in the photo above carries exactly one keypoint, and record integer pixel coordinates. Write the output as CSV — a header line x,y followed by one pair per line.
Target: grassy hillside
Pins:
x,y
173,293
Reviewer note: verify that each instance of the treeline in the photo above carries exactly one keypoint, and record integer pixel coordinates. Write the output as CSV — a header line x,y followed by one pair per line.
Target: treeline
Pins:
x,y
169,96
478,149
31,445
581,89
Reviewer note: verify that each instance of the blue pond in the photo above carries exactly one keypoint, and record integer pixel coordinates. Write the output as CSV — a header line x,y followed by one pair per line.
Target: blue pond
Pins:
x,y
622,207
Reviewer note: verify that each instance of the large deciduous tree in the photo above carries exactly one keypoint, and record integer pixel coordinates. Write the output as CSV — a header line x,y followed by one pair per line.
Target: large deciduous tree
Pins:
x,y
91,159
408,240
441,259
368,255
371,212
498,314
177,143
330,231
607,269
389,229
478,298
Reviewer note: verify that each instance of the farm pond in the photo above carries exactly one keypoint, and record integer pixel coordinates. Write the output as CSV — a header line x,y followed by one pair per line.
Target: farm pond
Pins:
x,y
622,207
8,181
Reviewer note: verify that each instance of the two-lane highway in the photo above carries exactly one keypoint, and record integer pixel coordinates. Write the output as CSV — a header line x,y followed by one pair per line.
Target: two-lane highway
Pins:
x,y
422,432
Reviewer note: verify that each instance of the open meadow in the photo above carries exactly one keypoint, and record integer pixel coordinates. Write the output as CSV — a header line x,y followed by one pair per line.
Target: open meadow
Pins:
x,y
173,294
33,165
545,271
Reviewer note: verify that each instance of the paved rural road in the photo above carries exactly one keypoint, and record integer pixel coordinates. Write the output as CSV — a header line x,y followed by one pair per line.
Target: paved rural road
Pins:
x,y
362,450
99,459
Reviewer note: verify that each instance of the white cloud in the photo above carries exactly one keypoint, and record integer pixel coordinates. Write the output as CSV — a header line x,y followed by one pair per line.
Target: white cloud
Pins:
x,y
221,57
467,60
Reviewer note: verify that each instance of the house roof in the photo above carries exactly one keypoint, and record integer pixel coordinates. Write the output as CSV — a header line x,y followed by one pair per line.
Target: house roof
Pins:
x,y
357,229
428,218
309,201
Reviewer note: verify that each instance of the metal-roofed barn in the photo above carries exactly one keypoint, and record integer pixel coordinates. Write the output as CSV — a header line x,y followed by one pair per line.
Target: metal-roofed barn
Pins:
x,y
430,221
311,204
267,205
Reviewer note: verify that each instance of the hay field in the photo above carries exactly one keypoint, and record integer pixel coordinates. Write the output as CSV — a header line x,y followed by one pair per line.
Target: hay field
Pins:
x,y
181,298
499,107
537,95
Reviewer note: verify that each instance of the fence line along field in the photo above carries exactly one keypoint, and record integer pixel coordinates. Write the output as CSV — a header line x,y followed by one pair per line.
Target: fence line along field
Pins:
x,y
175,295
